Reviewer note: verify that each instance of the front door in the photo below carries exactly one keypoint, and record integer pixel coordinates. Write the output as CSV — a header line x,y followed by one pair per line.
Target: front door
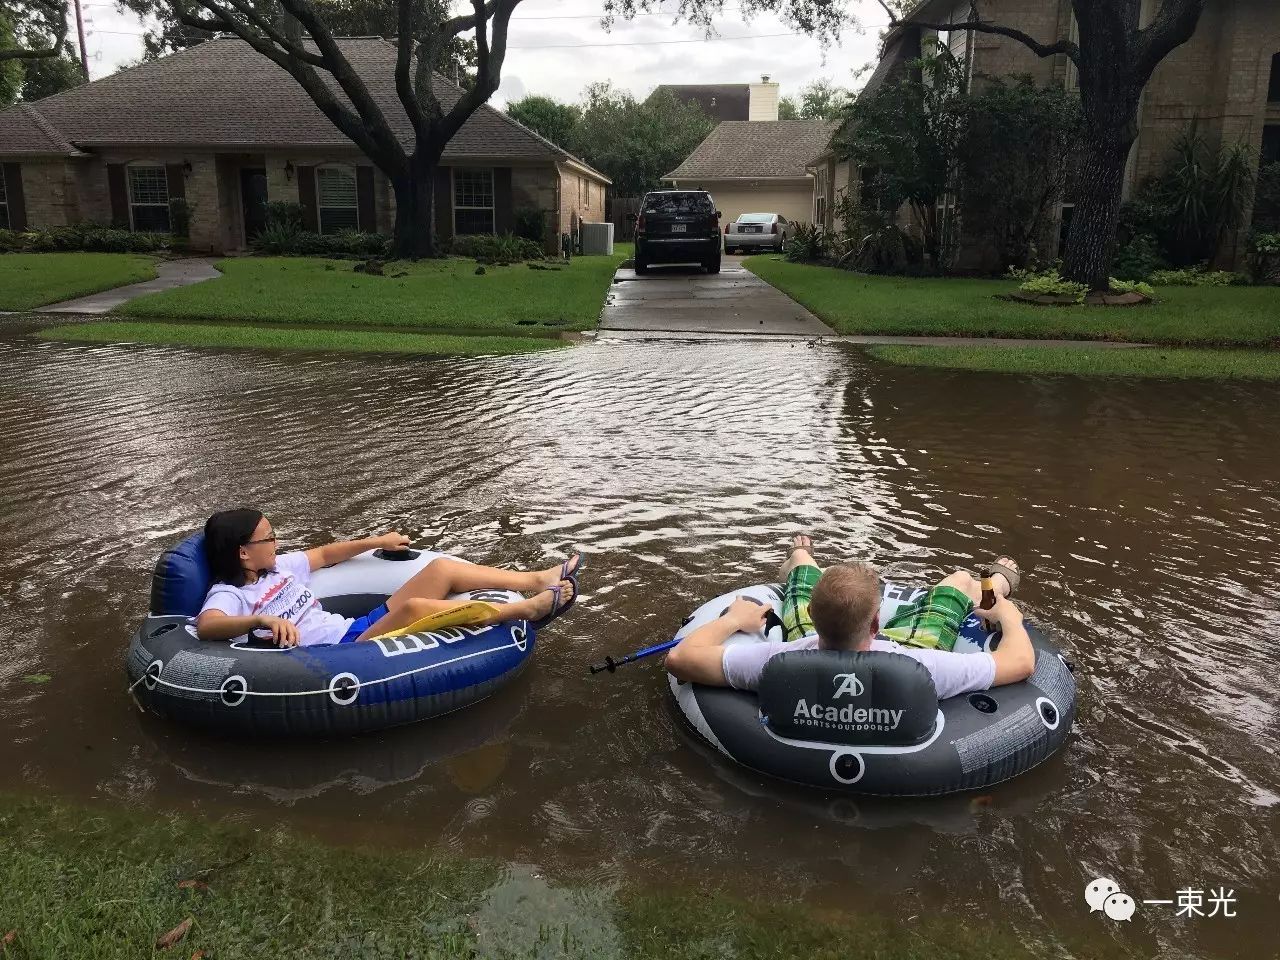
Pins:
x,y
253,200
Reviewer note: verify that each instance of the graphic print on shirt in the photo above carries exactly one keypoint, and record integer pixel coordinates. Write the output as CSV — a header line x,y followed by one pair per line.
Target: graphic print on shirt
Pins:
x,y
288,600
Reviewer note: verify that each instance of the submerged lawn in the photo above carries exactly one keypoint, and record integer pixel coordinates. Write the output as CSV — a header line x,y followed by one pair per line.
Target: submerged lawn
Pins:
x,y
1093,362
855,303
431,295
106,883
296,338
29,280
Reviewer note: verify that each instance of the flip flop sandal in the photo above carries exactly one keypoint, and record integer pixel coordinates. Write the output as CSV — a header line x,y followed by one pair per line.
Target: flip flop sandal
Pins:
x,y
564,567
556,609
1010,573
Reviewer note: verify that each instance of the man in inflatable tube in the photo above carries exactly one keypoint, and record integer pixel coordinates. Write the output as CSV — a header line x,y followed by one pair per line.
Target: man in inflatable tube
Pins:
x,y
839,609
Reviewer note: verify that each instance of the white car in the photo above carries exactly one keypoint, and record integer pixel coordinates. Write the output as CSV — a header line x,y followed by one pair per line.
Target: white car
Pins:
x,y
758,231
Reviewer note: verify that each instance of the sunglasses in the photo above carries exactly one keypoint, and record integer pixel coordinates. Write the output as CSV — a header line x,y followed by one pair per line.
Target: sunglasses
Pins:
x,y
270,539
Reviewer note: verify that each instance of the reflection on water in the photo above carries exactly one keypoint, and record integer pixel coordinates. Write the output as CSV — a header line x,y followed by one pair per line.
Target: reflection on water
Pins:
x,y
1144,513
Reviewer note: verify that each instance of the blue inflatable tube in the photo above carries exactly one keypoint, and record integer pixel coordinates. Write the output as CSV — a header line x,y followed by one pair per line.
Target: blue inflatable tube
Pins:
x,y
253,688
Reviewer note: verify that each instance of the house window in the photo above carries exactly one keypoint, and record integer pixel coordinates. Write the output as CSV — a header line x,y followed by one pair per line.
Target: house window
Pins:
x,y
1273,91
4,202
336,199
149,199
472,200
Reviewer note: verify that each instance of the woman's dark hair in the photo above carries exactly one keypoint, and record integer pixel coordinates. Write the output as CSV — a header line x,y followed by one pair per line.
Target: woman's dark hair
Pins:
x,y
224,534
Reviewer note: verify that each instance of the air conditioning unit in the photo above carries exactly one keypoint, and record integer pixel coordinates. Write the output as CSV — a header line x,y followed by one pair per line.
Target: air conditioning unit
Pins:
x,y
597,239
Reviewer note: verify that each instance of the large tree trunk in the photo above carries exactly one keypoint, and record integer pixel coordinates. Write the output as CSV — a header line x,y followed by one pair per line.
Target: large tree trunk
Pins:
x,y
1098,193
414,235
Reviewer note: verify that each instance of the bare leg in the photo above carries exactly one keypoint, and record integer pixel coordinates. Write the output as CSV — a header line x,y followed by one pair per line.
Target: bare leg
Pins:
x,y
443,576
801,555
412,609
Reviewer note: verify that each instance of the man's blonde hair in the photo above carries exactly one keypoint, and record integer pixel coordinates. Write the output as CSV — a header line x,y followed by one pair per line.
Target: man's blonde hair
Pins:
x,y
845,602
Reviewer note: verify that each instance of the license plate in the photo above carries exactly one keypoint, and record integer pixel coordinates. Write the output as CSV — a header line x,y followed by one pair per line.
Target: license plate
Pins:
x,y
750,229
679,228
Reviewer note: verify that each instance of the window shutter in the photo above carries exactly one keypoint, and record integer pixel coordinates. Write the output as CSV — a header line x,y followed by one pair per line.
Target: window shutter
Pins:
x,y
444,203
177,182
307,198
13,193
365,213
119,193
504,218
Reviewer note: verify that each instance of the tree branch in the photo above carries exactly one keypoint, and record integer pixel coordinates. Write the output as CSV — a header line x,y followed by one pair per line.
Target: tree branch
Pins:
x,y
1173,26
54,13
490,52
978,25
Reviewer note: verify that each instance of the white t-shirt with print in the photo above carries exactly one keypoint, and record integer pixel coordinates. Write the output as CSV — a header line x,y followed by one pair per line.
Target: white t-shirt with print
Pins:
x,y
284,593
952,673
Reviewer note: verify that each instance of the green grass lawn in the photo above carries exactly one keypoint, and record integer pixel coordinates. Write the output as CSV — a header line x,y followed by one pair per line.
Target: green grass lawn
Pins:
x,y
29,280
106,883
854,303
434,295
1091,362
296,338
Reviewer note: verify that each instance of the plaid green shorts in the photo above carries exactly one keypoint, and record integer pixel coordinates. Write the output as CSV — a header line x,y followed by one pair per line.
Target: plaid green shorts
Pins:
x,y
795,601
932,621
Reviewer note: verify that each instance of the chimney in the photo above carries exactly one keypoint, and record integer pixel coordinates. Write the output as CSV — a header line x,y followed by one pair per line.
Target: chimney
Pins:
x,y
764,100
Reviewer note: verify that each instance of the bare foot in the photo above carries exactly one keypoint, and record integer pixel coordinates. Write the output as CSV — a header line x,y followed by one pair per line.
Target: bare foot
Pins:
x,y
1000,581
541,605
801,553
545,579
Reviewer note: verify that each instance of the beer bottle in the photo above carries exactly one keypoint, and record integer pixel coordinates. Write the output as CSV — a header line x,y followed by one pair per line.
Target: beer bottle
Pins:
x,y
988,589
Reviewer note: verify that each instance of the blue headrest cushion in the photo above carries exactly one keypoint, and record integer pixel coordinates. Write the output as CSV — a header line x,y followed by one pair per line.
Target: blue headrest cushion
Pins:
x,y
181,580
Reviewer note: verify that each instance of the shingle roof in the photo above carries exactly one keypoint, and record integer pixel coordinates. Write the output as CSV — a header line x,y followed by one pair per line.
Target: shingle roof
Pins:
x,y
719,101
756,149
223,93
23,131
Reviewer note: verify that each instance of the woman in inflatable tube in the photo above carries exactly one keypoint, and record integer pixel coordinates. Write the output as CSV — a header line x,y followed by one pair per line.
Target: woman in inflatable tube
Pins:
x,y
349,637
933,701
254,589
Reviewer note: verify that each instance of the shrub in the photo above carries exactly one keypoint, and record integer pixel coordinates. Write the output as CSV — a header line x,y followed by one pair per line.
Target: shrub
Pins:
x,y
1139,258
1266,243
179,217
504,248
809,244
1054,285
84,236
1195,278
284,213
531,224
1034,272
284,239
10,241
1132,286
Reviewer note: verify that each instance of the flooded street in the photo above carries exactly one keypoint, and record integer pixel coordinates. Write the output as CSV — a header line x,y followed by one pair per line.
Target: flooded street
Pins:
x,y
1144,515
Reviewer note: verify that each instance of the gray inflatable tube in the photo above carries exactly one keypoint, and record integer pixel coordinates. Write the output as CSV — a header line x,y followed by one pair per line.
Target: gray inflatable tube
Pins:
x,y
256,688
871,723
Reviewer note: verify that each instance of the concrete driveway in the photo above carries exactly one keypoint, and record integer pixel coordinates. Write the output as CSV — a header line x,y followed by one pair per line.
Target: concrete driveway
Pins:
x,y
684,300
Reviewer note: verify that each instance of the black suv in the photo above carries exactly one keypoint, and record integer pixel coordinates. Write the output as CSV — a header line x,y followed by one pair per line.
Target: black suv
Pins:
x,y
678,226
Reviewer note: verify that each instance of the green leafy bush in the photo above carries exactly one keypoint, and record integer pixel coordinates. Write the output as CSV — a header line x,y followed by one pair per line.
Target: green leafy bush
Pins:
x,y
180,217
1139,258
285,214
1034,272
1195,278
88,236
1266,243
809,244
531,224
284,239
1132,286
1053,285
503,248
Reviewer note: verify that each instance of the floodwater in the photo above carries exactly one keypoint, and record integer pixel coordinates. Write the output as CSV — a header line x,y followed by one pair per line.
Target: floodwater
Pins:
x,y
1144,512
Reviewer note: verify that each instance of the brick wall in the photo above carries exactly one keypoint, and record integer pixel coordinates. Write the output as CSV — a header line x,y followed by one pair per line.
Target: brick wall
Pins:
x,y
535,188
51,193
582,195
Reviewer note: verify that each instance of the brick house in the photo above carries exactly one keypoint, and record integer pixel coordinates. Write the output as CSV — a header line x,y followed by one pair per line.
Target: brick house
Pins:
x,y
728,101
1227,78
228,130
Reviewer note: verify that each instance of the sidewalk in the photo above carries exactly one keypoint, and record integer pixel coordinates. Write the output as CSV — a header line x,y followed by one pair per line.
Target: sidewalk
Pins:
x,y
171,274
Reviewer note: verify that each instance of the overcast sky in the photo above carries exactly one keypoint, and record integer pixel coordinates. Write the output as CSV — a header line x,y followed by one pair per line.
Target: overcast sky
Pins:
x,y
557,47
